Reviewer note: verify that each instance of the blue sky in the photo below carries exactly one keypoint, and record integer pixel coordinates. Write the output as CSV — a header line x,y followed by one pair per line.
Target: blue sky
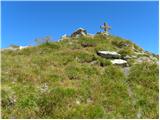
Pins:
x,y
22,22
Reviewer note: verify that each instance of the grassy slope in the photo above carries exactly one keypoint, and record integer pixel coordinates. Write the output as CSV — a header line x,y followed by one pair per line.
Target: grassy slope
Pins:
x,y
57,80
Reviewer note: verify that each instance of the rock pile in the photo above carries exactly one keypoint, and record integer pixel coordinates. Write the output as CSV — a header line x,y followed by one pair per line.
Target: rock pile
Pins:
x,y
114,56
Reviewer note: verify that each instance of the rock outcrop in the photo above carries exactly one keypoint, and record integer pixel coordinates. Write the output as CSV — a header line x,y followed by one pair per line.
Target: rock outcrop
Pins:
x,y
119,62
108,54
79,32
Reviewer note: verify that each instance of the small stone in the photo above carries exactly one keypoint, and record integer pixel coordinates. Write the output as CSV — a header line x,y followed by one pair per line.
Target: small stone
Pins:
x,y
77,102
93,62
44,88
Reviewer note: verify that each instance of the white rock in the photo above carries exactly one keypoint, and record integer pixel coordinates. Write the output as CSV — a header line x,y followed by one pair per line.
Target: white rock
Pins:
x,y
118,61
109,54
77,102
22,47
44,88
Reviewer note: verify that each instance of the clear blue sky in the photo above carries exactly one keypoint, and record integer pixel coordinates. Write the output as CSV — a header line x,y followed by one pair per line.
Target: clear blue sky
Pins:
x,y
22,22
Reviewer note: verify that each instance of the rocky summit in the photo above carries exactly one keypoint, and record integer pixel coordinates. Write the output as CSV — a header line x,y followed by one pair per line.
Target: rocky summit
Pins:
x,y
82,75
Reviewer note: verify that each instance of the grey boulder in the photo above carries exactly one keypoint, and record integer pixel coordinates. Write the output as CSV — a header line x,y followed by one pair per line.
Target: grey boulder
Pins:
x,y
109,54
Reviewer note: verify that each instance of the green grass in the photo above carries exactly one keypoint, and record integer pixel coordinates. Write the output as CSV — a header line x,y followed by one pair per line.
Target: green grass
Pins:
x,y
60,80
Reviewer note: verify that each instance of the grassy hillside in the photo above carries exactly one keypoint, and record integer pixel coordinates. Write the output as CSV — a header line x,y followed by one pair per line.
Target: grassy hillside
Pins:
x,y
67,80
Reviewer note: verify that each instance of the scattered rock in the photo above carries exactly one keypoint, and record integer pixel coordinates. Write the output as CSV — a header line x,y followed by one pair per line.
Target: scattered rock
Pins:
x,y
77,102
108,54
119,62
93,62
44,88
79,32
12,100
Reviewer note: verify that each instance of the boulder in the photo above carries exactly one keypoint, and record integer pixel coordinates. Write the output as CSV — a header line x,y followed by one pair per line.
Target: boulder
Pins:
x,y
119,62
108,54
79,32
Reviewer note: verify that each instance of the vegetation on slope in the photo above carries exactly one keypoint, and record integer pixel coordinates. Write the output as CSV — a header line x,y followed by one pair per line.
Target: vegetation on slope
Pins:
x,y
67,80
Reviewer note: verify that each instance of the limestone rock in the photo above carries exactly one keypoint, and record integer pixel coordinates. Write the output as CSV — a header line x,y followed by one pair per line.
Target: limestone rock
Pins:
x,y
119,62
108,54
79,32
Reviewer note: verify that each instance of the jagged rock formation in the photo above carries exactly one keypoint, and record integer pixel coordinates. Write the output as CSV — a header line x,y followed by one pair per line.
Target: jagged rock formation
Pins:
x,y
79,32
